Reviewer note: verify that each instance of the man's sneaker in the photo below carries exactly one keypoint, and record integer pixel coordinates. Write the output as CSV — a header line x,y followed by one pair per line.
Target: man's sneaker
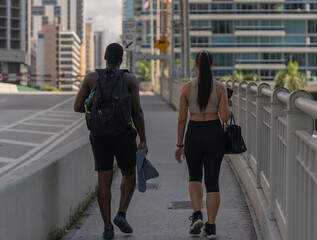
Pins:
x,y
122,224
108,234
210,231
197,222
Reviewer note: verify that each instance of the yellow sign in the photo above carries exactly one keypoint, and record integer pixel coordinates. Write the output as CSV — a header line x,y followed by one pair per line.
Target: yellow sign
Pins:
x,y
162,44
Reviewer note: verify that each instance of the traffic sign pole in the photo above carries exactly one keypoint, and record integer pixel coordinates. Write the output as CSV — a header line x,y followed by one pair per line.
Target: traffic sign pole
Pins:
x,y
129,35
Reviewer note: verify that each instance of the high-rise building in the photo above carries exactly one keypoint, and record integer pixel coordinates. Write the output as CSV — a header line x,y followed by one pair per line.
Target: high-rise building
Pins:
x,y
15,39
252,36
90,48
101,39
58,55
68,13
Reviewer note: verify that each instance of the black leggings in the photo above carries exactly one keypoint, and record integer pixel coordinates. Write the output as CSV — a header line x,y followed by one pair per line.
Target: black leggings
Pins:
x,y
204,146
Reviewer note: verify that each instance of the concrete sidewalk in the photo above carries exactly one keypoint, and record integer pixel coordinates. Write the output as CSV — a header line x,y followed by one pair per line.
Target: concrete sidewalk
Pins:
x,y
152,214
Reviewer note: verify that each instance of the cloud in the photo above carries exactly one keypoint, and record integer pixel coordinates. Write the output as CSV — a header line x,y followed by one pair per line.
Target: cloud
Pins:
x,y
106,14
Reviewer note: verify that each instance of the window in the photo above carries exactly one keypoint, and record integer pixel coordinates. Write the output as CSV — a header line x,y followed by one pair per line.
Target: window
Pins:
x,y
3,43
49,2
67,42
296,57
57,10
38,10
312,26
44,20
14,67
222,27
15,44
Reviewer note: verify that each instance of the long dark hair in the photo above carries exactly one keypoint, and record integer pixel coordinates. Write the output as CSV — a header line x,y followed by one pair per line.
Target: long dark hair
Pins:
x,y
205,81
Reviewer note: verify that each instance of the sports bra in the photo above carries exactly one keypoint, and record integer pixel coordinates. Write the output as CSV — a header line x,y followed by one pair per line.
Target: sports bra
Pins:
x,y
213,103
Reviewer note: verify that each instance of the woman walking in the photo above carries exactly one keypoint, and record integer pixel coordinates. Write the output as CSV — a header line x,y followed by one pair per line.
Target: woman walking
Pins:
x,y
206,100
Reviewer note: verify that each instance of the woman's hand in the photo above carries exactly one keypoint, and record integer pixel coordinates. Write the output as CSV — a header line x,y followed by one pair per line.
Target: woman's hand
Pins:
x,y
230,103
179,152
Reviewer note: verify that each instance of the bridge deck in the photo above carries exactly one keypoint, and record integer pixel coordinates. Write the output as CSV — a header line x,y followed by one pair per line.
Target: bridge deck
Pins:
x,y
150,213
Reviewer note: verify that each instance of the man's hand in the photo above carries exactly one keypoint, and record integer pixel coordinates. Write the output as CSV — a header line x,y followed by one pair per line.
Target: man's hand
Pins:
x,y
179,152
144,146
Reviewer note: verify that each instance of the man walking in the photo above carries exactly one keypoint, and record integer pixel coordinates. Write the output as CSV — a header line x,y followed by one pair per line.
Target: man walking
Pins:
x,y
122,145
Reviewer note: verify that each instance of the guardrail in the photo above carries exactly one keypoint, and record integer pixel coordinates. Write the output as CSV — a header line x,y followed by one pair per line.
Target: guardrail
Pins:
x,y
279,169
61,81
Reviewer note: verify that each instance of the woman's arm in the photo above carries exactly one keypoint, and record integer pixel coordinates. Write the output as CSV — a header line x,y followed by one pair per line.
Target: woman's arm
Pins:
x,y
224,110
182,120
182,115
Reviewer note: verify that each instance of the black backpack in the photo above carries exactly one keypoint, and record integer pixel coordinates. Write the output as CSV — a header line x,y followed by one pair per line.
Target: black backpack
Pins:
x,y
109,104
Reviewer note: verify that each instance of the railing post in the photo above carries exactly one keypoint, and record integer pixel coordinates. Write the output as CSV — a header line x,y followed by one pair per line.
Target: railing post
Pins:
x,y
260,101
170,90
277,108
235,99
241,95
249,96
296,120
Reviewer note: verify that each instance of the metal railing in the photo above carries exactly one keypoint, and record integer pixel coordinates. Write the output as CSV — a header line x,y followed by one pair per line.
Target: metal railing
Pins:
x,y
278,128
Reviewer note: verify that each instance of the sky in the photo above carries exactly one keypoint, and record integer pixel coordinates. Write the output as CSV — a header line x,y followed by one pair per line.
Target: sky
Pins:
x,y
106,14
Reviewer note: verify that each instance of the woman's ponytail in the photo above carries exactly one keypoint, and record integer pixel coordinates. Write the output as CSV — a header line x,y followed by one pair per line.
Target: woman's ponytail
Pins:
x,y
205,82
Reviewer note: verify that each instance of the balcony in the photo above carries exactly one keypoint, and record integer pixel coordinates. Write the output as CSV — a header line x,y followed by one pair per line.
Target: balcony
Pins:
x,y
200,31
278,31
260,64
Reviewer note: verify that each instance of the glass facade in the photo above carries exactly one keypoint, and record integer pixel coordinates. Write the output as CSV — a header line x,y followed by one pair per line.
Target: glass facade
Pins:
x,y
259,37
256,37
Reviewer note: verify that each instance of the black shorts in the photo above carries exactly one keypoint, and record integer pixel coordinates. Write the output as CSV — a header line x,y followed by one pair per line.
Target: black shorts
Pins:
x,y
123,147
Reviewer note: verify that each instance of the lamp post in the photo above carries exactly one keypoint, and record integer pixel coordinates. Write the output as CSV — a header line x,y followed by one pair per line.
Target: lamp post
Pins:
x,y
185,43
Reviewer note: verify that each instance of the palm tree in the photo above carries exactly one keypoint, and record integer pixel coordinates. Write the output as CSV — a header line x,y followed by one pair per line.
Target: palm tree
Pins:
x,y
291,78
239,76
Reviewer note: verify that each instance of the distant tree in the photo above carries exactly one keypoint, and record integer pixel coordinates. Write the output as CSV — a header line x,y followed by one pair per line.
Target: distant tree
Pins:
x,y
291,78
240,76
143,70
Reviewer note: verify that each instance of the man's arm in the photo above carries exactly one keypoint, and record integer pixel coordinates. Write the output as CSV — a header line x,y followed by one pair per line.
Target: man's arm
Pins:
x,y
83,92
137,112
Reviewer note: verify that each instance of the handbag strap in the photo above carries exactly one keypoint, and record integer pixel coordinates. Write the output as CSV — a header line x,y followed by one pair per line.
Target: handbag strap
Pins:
x,y
232,119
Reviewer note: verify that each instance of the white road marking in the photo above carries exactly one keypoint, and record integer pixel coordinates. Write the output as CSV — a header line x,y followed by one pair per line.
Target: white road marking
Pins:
x,y
53,119
61,116
62,111
29,131
32,116
19,142
42,124
6,160
49,143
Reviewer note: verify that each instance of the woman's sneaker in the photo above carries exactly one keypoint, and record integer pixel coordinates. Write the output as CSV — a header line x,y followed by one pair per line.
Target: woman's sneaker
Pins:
x,y
197,222
210,231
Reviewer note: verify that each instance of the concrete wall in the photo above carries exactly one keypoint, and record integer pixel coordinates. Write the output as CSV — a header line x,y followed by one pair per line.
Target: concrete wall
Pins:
x,y
38,198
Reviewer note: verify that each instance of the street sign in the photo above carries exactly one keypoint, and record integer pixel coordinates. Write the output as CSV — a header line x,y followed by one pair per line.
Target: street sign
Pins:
x,y
129,35
162,44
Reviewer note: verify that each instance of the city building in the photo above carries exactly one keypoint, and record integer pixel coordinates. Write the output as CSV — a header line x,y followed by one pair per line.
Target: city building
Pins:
x,y
252,36
68,13
90,48
58,57
15,36
101,40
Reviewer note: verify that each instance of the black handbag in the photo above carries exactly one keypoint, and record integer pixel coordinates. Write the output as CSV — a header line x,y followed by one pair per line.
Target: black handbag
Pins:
x,y
234,143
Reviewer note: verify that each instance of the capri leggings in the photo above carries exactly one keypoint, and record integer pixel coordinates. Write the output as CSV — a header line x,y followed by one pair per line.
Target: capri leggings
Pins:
x,y
204,148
